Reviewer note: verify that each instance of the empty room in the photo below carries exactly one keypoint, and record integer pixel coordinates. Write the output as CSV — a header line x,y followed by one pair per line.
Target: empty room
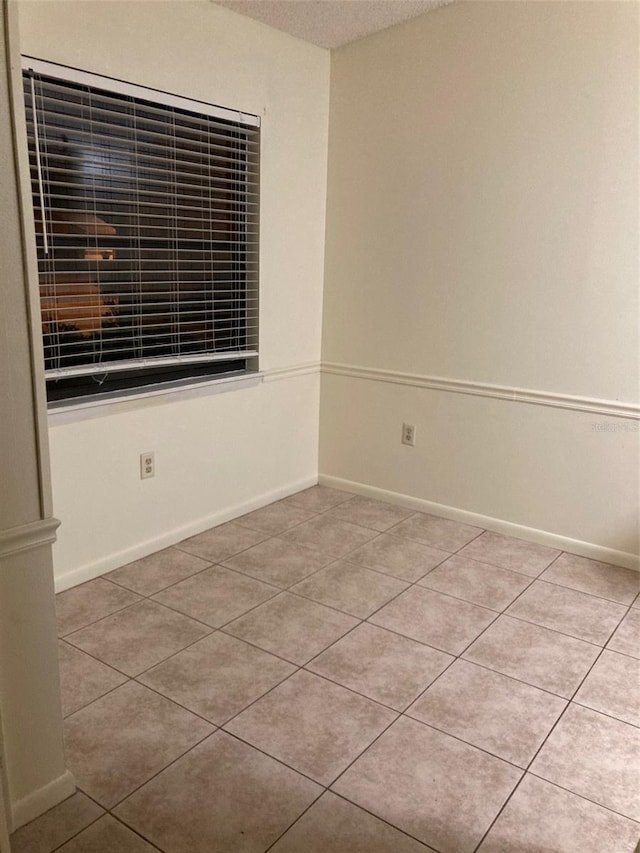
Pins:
x,y
319,426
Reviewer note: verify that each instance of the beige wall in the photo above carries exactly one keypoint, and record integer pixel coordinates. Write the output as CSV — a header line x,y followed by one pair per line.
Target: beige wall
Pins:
x,y
483,227
217,454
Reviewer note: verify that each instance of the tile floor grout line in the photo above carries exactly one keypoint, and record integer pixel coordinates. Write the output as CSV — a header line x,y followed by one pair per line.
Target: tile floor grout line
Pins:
x,y
162,588
513,678
361,808
544,580
550,732
590,594
163,660
567,701
100,618
139,834
337,609
622,654
102,695
216,561
110,615
276,592
428,847
362,752
76,834
193,746
604,714
582,797
273,758
238,521
245,574
500,810
291,825
459,656
179,705
483,749
546,627
254,645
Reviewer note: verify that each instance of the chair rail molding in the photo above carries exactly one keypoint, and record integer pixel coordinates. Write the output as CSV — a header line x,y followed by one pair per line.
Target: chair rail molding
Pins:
x,y
590,405
35,534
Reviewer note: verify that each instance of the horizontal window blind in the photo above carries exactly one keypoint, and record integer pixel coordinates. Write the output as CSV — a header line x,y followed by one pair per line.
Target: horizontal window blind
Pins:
x,y
147,219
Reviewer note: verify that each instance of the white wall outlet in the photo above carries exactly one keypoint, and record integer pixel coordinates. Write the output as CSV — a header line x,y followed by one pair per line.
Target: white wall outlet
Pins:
x,y
409,434
147,465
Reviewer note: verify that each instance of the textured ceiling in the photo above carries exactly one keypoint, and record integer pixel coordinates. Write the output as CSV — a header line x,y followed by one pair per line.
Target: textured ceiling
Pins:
x,y
331,23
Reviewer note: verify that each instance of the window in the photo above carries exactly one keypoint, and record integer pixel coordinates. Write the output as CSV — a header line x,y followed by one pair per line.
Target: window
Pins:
x,y
146,209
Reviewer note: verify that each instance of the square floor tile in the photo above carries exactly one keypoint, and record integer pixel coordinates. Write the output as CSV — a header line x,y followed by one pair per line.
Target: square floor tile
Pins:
x,y
568,611
332,825
329,535
596,757
107,834
382,665
275,518
89,602
54,827
318,498
157,571
312,725
613,687
542,817
505,717
626,639
222,796
399,557
430,785
350,588
292,627
138,637
83,679
538,656
278,562
612,582
438,620
122,739
216,595
528,558
369,513
221,542
479,583
436,532
217,677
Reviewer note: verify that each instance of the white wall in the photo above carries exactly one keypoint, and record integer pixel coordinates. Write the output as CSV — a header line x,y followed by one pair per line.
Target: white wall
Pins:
x,y
483,227
214,454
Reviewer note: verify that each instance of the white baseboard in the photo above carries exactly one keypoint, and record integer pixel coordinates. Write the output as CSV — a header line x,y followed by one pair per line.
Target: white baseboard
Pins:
x,y
41,800
92,570
496,525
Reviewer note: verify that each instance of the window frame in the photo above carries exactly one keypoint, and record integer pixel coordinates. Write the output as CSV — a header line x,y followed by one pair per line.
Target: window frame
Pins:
x,y
189,377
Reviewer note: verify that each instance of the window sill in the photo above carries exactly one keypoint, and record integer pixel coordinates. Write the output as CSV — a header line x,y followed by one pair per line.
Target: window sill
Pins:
x,y
72,411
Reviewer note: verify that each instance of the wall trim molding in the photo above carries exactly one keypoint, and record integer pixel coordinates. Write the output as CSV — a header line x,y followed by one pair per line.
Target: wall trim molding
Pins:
x,y
496,525
41,800
25,537
89,571
590,405
277,373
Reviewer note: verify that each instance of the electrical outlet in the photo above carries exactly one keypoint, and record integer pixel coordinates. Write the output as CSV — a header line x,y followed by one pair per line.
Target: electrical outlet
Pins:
x,y
147,465
408,434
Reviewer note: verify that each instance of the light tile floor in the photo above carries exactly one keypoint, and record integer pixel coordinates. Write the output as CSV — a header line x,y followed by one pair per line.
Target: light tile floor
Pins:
x,y
331,674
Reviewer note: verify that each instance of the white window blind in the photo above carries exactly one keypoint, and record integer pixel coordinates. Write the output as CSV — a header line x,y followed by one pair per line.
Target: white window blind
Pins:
x,y
147,232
